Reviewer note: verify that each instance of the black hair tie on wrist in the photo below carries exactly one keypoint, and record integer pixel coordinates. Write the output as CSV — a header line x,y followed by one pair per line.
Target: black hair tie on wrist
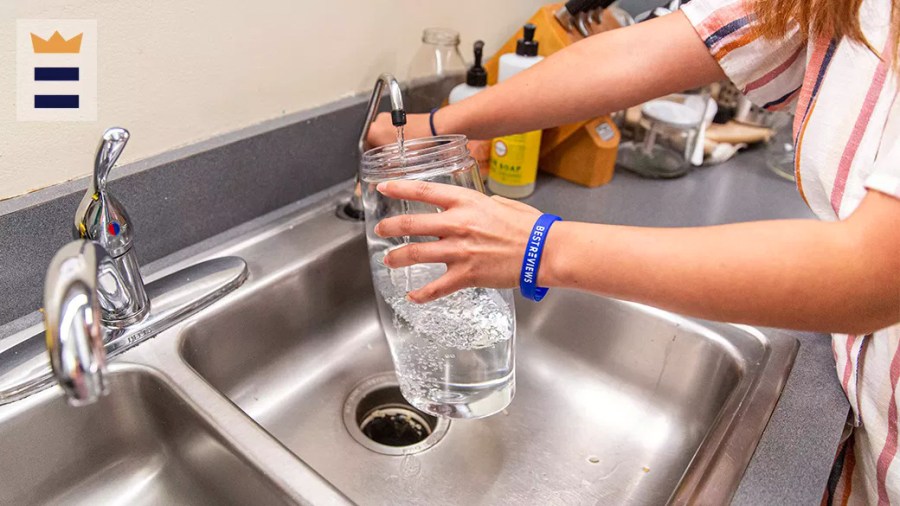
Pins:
x,y
431,121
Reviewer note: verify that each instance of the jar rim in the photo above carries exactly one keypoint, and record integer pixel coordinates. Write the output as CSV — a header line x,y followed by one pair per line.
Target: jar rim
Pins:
x,y
441,36
425,154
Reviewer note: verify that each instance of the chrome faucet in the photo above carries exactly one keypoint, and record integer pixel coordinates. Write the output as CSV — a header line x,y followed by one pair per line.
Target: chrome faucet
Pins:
x,y
102,219
95,303
353,210
72,320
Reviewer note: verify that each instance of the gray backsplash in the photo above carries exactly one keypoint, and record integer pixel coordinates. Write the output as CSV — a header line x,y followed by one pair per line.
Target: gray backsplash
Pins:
x,y
201,191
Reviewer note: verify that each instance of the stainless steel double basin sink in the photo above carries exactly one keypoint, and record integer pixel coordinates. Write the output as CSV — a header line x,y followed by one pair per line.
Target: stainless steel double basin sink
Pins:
x,y
616,403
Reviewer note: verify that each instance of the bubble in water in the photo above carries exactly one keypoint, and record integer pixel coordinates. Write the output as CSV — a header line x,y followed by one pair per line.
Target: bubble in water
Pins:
x,y
468,319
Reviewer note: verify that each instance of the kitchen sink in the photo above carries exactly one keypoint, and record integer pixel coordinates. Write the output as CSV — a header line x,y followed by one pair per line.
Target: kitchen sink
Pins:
x,y
141,444
282,392
616,403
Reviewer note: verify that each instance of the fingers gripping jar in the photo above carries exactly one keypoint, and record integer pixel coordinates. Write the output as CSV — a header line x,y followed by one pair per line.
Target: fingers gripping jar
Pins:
x,y
454,357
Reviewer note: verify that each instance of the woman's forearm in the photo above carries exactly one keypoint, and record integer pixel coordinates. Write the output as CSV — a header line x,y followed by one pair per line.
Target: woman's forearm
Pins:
x,y
794,273
601,74
832,277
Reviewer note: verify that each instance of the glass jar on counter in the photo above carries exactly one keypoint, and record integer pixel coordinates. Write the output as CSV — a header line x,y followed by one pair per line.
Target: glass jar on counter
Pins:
x,y
672,128
435,70
454,357
780,147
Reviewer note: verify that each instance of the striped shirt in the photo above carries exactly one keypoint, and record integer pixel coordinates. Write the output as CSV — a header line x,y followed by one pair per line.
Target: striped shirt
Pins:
x,y
847,142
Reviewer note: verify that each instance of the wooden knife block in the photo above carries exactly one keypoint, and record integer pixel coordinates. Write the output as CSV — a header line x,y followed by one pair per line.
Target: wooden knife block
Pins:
x,y
574,152
587,156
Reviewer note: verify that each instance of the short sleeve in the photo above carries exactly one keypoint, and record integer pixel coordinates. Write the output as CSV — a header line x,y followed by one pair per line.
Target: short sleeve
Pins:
x,y
769,72
885,174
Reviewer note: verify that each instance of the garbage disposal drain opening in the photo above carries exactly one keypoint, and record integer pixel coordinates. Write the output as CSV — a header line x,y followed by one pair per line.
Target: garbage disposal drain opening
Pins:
x,y
395,426
379,418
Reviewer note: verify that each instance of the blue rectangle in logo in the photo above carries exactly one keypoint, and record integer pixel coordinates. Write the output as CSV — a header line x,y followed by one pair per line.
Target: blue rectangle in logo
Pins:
x,y
56,73
56,101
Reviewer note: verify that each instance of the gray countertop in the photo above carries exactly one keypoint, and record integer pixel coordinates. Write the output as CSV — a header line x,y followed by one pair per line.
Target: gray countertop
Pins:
x,y
794,456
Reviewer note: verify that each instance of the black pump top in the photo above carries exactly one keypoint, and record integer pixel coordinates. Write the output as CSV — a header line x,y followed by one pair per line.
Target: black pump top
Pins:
x,y
527,46
576,6
477,75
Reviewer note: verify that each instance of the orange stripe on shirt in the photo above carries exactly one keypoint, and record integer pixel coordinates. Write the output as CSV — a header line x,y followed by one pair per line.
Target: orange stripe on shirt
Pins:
x,y
748,36
799,150
847,474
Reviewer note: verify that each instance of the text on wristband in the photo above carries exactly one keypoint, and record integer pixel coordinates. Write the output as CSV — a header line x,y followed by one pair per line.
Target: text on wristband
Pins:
x,y
533,253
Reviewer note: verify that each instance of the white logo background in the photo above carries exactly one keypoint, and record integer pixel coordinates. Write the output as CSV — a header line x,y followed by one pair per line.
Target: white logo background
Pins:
x,y
85,60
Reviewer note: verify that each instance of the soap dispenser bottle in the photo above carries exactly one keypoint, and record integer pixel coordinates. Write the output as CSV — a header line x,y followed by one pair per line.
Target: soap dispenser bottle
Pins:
x,y
476,77
514,158
476,81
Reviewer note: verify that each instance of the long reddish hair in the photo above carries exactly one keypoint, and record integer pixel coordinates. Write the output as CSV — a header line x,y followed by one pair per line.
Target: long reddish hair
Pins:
x,y
827,18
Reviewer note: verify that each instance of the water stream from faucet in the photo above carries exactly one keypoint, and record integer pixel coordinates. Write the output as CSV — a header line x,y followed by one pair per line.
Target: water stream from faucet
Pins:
x,y
404,204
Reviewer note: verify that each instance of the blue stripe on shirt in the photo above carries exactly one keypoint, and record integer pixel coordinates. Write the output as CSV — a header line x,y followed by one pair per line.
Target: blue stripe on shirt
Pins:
x,y
783,98
726,30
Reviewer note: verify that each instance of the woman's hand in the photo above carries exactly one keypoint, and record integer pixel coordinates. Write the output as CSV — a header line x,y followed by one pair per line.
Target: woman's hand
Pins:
x,y
481,239
384,132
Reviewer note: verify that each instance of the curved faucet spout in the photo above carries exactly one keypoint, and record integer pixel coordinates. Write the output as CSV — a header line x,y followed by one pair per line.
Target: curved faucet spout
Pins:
x,y
354,209
398,112
72,320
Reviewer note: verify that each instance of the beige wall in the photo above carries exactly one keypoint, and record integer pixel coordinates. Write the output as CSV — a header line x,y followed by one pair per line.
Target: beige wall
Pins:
x,y
178,71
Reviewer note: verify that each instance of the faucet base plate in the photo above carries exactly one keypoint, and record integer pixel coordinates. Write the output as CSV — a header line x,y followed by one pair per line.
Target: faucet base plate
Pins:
x,y
25,366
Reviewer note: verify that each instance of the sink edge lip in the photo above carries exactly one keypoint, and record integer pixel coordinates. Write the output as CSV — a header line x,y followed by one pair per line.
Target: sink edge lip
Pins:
x,y
717,468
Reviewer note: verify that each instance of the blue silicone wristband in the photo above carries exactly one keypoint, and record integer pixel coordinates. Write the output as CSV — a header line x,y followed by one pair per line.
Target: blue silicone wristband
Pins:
x,y
431,121
531,262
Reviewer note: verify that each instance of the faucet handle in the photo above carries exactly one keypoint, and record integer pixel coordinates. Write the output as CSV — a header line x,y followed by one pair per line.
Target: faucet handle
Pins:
x,y
111,146
72,321
100,216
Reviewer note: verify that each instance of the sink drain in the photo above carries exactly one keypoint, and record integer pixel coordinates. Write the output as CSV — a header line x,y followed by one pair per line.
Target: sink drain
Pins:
x,y
379,418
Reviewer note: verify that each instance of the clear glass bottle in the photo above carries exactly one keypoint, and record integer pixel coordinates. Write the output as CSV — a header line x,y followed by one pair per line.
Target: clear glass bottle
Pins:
x,y
454,357
435,70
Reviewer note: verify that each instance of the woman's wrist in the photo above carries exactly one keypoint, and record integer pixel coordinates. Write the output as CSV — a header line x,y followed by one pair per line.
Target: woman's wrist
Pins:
x,y
445,121
554,262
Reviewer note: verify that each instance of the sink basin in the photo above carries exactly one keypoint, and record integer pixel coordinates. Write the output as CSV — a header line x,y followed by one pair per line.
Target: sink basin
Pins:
x,y
616,403
141,444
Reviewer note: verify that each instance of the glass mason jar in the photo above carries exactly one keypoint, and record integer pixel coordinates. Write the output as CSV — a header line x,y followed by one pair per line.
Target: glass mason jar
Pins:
x,y
454,357
435,69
